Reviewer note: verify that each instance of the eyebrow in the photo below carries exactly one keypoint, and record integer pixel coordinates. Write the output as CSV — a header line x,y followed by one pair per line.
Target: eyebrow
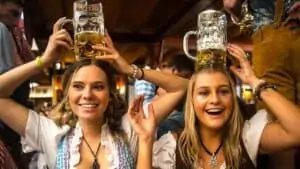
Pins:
x,y
81,82
220,86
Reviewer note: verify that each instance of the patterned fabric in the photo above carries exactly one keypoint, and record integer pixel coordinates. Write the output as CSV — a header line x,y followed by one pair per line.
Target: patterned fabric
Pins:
x,y
145,88
6,161
126,160
263,11
23,47
62,161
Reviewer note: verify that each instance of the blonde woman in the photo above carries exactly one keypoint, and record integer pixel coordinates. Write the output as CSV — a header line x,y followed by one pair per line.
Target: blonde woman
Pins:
x,y
215,135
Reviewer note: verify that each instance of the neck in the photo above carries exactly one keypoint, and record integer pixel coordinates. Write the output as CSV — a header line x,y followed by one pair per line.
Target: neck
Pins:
x,y
91,129
211,139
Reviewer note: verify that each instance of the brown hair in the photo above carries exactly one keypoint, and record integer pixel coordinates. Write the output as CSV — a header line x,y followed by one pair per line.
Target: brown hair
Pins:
x,y
113,114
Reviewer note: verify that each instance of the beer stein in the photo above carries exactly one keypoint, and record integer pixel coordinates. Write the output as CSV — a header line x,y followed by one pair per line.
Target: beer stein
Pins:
x,y
211,39
88,26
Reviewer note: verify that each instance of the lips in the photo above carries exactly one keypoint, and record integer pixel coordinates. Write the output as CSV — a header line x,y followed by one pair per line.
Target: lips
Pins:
x,y
214,111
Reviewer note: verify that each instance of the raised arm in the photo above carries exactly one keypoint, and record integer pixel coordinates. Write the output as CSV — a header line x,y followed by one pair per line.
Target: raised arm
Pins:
x,y
12,113
175,86
277,135
145,129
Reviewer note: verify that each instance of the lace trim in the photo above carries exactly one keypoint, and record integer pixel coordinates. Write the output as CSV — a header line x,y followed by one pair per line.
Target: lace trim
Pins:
x,y
107,142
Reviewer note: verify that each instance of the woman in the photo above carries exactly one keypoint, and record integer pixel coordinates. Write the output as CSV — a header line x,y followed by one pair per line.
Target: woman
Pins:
x,y
215,135
96,132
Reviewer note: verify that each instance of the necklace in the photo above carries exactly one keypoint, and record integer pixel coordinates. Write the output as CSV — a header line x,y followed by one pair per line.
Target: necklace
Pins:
x,y
95,164
213,162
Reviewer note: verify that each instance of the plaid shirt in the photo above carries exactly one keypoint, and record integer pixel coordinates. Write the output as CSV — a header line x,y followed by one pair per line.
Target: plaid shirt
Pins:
x,y
147,89
263,11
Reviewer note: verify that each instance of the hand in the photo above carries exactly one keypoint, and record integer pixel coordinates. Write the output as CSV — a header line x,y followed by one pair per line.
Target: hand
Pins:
x,y
293,19
112,56
142,125
59,42
244,70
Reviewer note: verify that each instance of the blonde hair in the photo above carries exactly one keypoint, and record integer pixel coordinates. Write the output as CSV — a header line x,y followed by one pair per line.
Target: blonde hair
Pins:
x,y
117,107
188,142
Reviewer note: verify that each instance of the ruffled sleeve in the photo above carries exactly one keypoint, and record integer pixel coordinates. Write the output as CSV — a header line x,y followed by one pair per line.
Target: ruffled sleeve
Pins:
x,y
164,152
43,135
75,145
252,132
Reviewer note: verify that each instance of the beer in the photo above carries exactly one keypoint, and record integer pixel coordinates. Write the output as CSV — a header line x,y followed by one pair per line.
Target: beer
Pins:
x,y
211,57
84,42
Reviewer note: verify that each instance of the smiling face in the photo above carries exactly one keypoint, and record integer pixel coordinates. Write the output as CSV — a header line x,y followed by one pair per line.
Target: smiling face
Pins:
x,y
88,93
212,100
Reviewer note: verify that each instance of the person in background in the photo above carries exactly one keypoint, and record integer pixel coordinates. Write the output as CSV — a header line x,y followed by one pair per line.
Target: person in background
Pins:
x,y
276,48
14,51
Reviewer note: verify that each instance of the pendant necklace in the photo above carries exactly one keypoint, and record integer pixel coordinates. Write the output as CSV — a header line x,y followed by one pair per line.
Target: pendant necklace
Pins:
x,y
213,162
95,164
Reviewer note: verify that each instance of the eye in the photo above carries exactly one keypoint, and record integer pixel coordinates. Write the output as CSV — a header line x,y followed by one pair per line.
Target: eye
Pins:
x,y
99,87
224,91
77,86
203,93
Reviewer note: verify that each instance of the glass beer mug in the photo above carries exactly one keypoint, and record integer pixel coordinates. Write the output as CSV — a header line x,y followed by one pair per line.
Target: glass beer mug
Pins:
x,y
211,39
88,25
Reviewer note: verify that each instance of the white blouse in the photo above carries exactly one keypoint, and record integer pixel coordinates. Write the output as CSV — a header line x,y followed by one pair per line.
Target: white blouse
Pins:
x,y
164,156
43,135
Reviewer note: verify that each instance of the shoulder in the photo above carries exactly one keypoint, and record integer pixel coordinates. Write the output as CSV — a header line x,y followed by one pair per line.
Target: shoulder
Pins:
x,y
164,151
3,28
252,132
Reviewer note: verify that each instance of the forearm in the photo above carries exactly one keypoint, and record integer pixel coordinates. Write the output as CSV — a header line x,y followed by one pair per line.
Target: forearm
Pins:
x,y
170,83
286,112
10,80
145,154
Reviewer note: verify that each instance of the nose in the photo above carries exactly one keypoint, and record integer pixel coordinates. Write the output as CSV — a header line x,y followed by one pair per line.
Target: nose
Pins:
x,y
87,93
214,99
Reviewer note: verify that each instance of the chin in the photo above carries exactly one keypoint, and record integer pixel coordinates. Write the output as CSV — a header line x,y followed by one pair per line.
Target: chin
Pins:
x,y
89,115
215,125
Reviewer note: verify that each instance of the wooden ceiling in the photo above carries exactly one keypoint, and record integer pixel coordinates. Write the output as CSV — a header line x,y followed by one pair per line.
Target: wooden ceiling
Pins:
x,y
127,21
139,28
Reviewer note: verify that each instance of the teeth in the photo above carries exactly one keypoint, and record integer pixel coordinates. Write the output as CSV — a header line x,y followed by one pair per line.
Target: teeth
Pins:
x,y
214,110
88,105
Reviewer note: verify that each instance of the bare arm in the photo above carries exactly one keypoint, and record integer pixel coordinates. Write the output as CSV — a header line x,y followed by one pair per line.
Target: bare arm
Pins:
x,y
12,113
145,129
174,85
279,135
144,160
284,133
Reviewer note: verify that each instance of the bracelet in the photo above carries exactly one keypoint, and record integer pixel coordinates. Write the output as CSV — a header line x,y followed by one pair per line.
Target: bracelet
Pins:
x,y
142,74
135,72
261,87
39,62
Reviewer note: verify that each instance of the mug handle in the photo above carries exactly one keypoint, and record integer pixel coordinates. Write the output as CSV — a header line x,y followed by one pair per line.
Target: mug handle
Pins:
x,y
63,22
185,44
